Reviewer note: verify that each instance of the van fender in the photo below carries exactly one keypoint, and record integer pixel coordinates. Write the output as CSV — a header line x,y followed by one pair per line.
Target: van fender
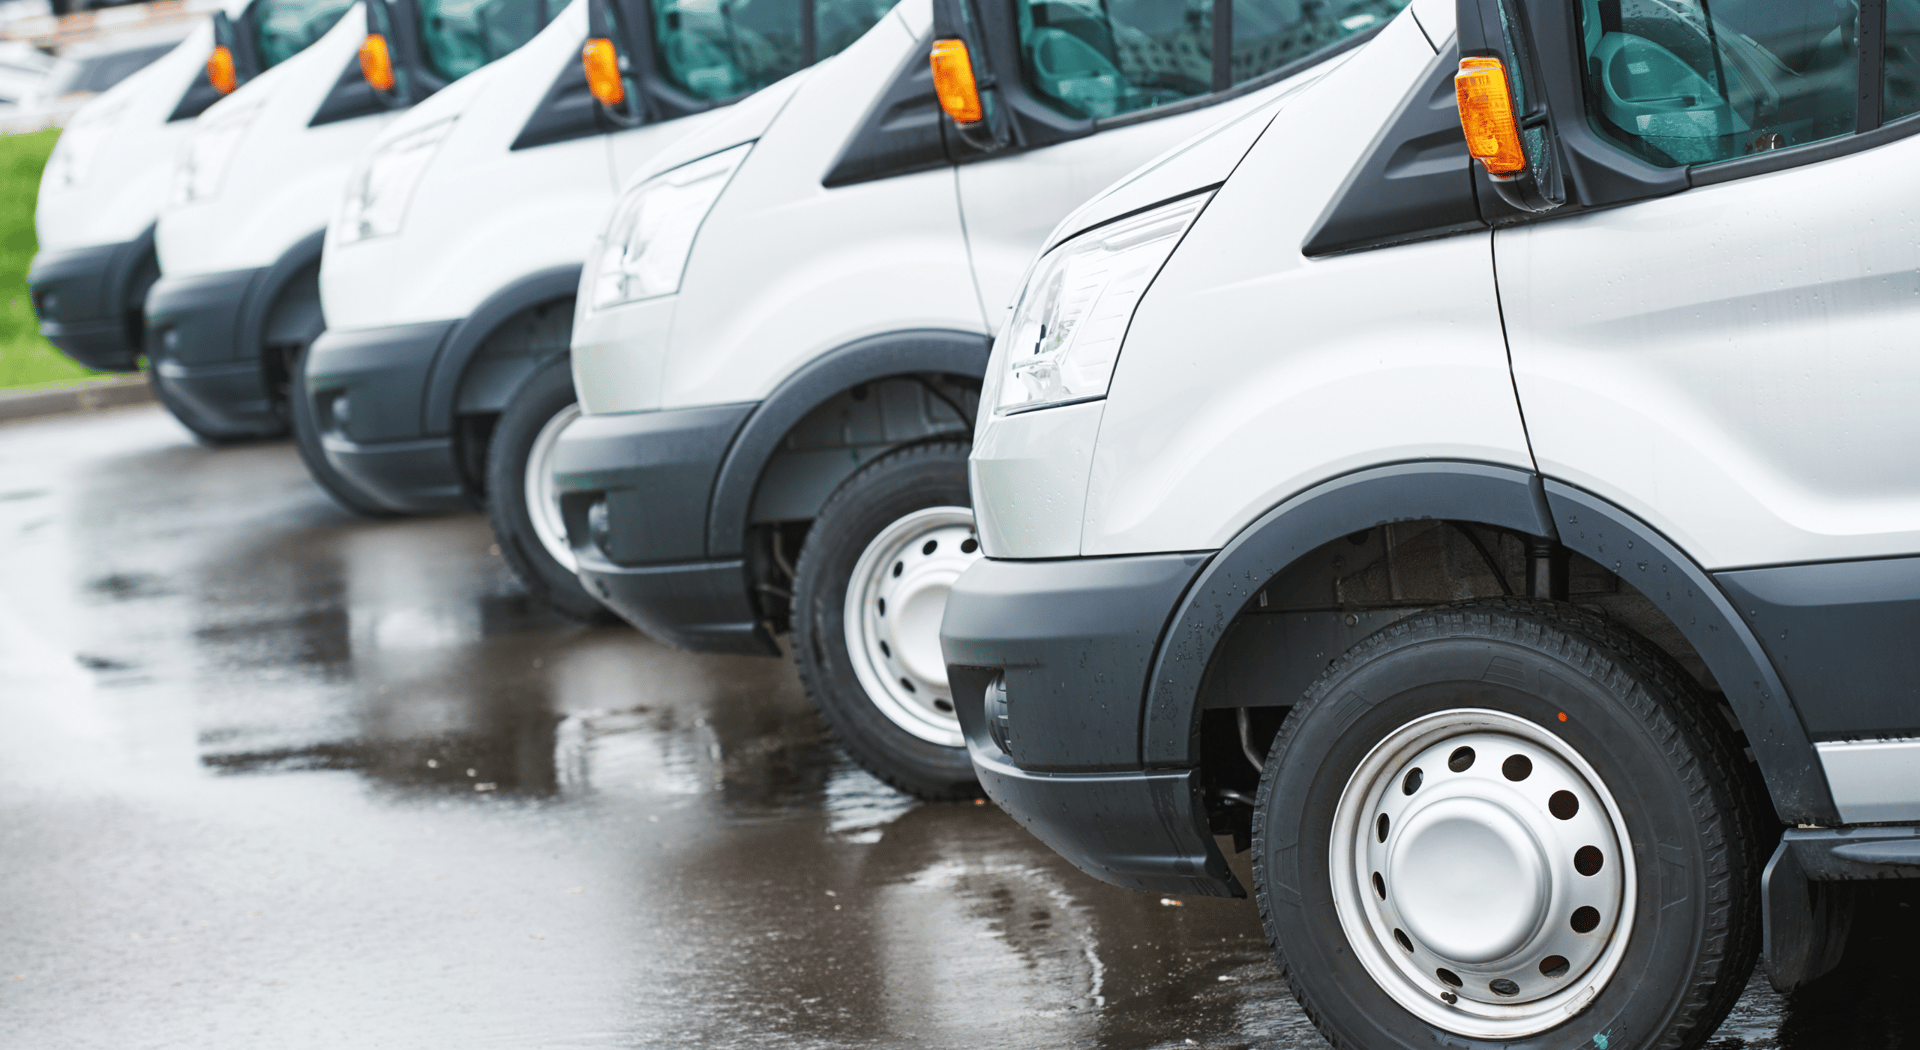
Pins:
x,y
868,360
1502,497
461,344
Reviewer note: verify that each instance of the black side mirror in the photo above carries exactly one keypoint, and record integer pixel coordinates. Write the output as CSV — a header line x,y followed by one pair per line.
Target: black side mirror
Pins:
x,y
1517,148
963,78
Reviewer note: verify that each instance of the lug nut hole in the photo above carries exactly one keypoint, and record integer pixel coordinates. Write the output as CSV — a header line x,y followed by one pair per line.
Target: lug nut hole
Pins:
x,y
883,606
1411,782
1379,885
1553,966
931,546
1563,804
1461,760
1589,860
1502,986
886,651
908,686
1406,942
969,545
1380,828
944,705
1585,919
1517,767
899,567
1447,977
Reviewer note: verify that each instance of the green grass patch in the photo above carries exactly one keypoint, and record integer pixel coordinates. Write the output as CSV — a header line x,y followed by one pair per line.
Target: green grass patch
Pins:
x,y
26,359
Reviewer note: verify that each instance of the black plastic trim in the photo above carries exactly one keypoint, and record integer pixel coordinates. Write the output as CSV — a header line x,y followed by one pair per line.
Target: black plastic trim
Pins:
x,y
656,472
901,132
350,97
1841,635
383,371
83,299
1689,597
1501,496
1138,830
567,111
443,385
1073,641
701,606
922,352
1414,183
1845,854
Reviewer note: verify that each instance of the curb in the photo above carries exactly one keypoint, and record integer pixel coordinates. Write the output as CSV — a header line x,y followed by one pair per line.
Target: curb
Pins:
x,y
16,405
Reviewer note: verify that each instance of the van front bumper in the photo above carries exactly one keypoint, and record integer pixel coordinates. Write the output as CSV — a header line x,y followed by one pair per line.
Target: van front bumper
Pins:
x,y
194,326
634,489
83,298
1066,646
367,390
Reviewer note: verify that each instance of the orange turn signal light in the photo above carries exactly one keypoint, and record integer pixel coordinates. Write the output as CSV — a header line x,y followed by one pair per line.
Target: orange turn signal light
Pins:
x,y
376,62
1486,115
953,82
602,63
220,70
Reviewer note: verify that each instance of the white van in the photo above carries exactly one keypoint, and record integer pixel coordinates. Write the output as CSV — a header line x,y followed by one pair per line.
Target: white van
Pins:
x,y
448,280
1521,557
239,241
781,334
112,168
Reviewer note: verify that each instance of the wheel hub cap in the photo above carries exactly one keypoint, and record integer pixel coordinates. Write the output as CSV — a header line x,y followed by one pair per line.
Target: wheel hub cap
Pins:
x,y
895,601
543,498
1479,871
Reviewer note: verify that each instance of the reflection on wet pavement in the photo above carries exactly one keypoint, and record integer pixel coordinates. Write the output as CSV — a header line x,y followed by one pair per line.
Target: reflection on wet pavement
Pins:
x,y
272,775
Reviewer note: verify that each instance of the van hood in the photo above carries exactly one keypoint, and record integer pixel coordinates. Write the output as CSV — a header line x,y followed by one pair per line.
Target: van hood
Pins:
x,y
1201,161
744,121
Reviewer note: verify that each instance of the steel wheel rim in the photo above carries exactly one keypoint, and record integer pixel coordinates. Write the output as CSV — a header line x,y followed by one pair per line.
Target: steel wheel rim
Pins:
x,y
542,496
895,598
1481,879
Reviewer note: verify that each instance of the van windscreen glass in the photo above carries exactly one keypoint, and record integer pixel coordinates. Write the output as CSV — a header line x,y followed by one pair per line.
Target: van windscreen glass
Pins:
x,y
837,23
460,36
284,28
1101,58
722,49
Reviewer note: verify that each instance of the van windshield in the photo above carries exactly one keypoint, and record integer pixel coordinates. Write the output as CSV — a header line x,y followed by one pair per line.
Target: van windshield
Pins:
x,y
460,36
284,28
720,49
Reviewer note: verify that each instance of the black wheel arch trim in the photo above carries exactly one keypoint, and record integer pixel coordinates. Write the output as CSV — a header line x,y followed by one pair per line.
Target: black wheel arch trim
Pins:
x,y
1505,497
265,292
942,351
451,361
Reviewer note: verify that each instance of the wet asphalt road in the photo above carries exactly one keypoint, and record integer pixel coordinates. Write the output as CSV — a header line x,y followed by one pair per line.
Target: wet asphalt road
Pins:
x,y
274,776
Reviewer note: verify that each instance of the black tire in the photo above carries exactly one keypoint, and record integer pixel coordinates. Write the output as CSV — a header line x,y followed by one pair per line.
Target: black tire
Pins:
x,y
306,437
1646,729
547,393
881,493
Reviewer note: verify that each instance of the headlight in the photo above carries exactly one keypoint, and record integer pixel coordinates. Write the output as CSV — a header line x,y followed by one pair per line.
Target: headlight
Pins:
x,y
1064,336
651,234
379,189
216,137
73,153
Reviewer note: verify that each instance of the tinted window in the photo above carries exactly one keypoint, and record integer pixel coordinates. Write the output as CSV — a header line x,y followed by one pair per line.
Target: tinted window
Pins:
x,y
460,36
1102,58
1268,34
837,23
1901,77
1677,86
284,28
722,49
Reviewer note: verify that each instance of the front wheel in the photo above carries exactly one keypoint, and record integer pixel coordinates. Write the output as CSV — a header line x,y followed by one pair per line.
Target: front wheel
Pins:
x,y
521,500
1508,821
869,592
